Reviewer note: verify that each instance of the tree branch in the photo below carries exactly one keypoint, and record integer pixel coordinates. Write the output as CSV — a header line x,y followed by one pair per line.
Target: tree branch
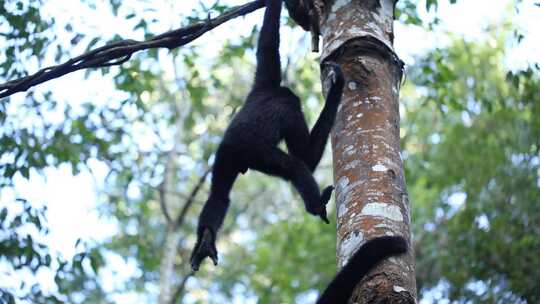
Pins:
x,y
181,287
119,52
180,219
162,205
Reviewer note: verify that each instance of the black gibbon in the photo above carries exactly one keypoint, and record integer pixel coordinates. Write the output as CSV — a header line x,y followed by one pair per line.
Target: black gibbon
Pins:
x,y
270,114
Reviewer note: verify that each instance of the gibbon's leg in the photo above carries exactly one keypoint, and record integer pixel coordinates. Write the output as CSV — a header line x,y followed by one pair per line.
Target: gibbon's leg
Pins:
x,y
224,174
296,136
273,161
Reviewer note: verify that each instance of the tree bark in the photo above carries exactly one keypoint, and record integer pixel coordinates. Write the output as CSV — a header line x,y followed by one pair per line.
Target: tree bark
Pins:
x,y
171,280
371,194
169,205
167,275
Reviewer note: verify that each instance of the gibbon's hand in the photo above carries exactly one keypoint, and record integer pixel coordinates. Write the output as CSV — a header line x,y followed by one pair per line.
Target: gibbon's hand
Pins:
x,y
325,198
337,81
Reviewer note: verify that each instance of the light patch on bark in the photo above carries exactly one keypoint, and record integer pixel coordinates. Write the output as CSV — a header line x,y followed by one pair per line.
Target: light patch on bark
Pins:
x,y
342,186
352,85
385,210
353,164
348,191
390,148
350,150
402,264
399,288
373,130
379,168
379,137
373,193
345,195
389,162
384,225
339,4
349,245
343,183
341,210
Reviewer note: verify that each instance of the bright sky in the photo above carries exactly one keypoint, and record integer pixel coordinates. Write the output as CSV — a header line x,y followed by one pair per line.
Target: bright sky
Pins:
x,y
72,199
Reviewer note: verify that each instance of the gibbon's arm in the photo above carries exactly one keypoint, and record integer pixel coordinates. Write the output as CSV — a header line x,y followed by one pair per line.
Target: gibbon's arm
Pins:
x,y
323,126
340,289
268,71
310,146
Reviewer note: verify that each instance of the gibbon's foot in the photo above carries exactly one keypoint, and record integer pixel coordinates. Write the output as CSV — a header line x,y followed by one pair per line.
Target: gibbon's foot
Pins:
x,y
325,197
205,247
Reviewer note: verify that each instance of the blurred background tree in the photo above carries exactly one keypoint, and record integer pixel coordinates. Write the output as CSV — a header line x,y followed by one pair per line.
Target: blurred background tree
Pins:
x,y
145,134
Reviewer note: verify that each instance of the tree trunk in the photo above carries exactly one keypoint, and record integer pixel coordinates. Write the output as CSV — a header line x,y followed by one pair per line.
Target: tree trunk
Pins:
x,y
170,205
168,279
368,171
171,280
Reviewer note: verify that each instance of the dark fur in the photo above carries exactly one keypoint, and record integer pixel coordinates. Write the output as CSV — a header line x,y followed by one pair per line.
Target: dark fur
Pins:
x,y
299,12
364,259
271,113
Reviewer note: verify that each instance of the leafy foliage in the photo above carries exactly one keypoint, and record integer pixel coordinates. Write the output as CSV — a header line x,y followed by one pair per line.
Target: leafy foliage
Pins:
x,y
473,169
22,249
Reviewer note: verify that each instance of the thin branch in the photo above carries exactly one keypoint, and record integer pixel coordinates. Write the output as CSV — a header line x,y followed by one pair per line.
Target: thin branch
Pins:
x,y
165,186
191,199
119,52
162,193
181,287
